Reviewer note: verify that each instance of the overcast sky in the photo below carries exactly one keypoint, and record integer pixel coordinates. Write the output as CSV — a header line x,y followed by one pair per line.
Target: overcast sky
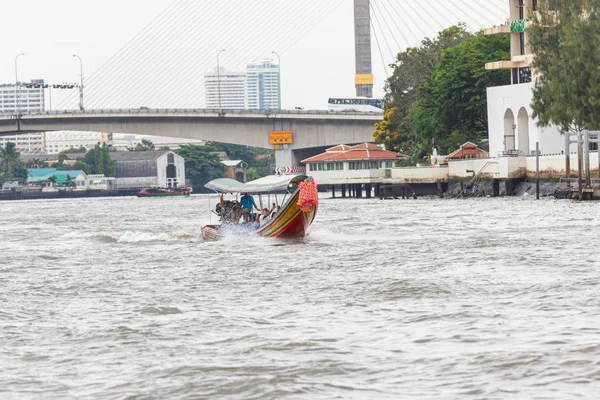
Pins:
x,y
317,66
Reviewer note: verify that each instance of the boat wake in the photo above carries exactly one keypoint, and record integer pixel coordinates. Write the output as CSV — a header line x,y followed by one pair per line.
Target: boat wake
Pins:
x,y
134,237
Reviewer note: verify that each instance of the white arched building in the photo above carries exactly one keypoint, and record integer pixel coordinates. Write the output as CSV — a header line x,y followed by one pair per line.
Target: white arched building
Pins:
x,y
512,130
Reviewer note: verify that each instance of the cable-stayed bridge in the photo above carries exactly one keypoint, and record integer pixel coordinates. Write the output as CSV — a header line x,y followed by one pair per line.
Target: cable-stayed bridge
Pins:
x,y
163,66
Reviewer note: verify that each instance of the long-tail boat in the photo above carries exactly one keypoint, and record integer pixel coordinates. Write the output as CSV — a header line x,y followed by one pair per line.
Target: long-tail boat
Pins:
x,y
294,197
164,191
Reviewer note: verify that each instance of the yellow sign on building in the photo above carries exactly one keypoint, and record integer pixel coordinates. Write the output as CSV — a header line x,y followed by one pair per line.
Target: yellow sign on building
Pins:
x,y
280,137
364,79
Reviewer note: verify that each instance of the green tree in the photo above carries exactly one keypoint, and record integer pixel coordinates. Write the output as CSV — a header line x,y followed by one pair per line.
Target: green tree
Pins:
x,y
10,158
412,68
451,107
83,166
145,145
258,159
99,161
81,149
201,164
34,163
565,41
62,156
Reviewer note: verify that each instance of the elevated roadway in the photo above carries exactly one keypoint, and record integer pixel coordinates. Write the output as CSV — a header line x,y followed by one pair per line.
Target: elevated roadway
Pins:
x,y
310,129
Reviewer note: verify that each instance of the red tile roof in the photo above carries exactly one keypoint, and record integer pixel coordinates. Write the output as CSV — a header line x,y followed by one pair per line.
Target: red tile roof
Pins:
x,y
364,151
466,149
338,149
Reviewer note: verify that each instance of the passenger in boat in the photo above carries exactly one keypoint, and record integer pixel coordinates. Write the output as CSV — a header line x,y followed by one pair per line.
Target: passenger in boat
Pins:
x,y
229,211
266,215
247,202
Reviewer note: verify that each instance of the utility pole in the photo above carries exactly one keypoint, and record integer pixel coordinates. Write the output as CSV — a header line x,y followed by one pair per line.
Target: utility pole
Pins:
x,y
81,108
362,43
537,170
17,83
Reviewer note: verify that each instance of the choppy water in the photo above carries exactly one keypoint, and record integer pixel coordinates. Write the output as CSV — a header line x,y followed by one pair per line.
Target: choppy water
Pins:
x,y
433,299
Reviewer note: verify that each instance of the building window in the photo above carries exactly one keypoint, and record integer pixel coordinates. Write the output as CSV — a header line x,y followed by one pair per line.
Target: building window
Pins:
x,y
515,76
170,158
524,75
373,165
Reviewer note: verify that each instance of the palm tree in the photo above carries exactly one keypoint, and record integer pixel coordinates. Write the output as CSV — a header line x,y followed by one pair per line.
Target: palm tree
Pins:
x,y
35,163
9,158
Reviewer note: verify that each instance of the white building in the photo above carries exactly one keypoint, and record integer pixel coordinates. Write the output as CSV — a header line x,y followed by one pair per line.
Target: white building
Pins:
x,y
263,85
364,163
146,168
28,96
66,140
512,129
26,143
225,90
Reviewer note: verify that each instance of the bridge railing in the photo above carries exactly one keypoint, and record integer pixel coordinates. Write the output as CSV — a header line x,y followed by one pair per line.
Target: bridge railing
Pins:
x,y
146,110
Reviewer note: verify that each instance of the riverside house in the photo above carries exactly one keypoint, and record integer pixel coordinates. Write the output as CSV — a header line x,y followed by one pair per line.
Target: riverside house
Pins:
x,y
364,163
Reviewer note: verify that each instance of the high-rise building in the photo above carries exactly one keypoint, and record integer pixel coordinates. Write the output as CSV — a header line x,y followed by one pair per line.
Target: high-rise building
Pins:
x,y
512,128
263,85
26,143
28,96
58,141
225,90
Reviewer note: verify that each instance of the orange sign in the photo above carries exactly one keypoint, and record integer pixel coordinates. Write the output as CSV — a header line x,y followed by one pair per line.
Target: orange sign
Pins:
x,y
364,79
280,137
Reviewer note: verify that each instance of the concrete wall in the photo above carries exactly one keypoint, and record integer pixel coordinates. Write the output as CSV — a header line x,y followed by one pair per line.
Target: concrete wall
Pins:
x,y
457,170
418,175
135,183
553,166
511,104
391,176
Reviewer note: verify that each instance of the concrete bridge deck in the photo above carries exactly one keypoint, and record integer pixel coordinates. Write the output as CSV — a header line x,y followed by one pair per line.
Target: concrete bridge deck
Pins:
x,y
310,128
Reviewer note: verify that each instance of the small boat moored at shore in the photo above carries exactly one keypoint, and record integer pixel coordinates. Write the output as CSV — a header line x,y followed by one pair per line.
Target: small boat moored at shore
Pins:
x,y
293,210
164,192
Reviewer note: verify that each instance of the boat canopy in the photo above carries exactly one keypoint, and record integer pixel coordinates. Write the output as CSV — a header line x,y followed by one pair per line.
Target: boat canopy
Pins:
x,y
268,184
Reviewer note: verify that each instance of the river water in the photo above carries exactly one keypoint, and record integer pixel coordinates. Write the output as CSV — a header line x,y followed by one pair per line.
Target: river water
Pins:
x,y
434,299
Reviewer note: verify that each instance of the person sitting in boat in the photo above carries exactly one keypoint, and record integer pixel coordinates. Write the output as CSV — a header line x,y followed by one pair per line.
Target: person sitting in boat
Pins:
x,y
266,215
247,202
229,211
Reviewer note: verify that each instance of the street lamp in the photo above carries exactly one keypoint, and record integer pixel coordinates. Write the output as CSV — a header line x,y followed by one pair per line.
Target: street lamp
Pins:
x,y
279,78
80,86
17,81
219,77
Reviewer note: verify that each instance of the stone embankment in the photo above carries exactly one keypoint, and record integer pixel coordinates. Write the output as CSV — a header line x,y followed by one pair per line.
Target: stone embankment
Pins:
x,y
485,188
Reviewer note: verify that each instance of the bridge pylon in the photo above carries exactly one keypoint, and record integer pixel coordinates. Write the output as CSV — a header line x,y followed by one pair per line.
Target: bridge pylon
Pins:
x,y
362,43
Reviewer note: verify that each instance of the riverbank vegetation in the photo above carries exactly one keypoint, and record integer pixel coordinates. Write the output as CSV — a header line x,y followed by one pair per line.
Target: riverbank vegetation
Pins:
x,y
436,96
204,163
11,165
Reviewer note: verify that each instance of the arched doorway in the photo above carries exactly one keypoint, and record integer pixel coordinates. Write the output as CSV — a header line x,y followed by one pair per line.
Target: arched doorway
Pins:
x,y
509,130
523,122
